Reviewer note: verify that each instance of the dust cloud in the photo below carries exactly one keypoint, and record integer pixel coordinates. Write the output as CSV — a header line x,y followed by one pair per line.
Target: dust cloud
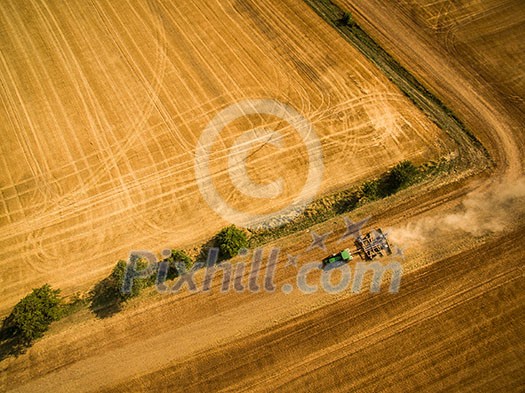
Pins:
x,y
500,208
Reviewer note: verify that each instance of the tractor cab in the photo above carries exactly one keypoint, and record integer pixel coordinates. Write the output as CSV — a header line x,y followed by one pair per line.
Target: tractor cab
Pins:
x,y
342,256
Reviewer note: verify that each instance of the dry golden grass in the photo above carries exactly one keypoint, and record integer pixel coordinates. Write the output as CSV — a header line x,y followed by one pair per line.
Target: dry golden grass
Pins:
x,y
442,329
489,34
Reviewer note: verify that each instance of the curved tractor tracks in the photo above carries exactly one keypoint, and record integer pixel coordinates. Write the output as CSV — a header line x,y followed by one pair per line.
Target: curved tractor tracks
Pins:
x,y
497,122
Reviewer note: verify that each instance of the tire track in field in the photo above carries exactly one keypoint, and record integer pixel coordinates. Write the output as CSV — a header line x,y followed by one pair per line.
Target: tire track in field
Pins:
x,y
316,337
272,27
84,90
74,70
104,198
355,103
115,145
57,102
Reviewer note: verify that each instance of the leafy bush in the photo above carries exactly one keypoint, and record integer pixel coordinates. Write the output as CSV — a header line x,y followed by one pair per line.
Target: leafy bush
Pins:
x,y
230,240
346,203
130,283
401,176
108,294
32,316
176,259
372,190
345,19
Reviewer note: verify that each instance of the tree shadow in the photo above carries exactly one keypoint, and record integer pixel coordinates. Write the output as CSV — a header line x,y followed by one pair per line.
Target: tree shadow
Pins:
x,y
347,204
202,258
104,301
11,347
332,266
10,343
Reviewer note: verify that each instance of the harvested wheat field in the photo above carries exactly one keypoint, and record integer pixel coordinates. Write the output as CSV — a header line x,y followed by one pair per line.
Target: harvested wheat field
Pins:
x,y
104,102
470,53
104,105
488,35
446,329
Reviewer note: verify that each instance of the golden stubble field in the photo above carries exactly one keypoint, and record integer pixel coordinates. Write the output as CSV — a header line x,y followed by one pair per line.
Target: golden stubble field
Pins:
x,y
456,324
103,104
489,34
470,53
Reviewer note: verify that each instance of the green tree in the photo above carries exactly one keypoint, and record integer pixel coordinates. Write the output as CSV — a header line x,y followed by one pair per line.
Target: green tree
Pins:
x,y
108,295
229,241
32,316
372,190
139,277
399,177
179,261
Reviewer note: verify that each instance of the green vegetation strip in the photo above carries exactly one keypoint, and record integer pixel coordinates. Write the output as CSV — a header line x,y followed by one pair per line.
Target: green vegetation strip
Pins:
x,y
399,177
429,104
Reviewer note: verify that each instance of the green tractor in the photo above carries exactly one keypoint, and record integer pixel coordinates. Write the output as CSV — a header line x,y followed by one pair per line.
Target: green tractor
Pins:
x,y
343,256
